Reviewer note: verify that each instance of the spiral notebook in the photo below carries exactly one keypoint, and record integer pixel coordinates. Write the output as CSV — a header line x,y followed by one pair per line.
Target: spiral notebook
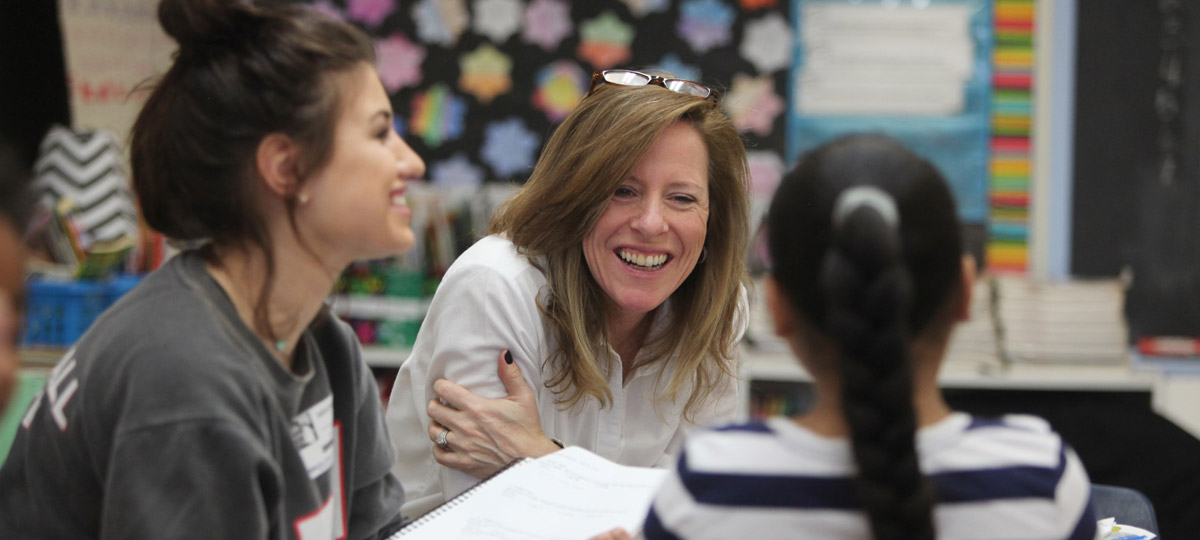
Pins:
x,y
570,494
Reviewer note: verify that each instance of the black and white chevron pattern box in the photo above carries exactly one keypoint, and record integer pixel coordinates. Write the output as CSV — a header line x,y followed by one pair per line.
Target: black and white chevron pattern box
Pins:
x,y
89,168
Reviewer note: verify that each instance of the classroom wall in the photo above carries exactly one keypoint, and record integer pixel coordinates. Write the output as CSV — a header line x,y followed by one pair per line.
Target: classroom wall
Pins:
x,y
1136,158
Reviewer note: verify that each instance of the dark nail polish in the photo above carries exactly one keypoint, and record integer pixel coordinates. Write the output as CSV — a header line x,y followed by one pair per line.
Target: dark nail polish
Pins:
x,y
508,357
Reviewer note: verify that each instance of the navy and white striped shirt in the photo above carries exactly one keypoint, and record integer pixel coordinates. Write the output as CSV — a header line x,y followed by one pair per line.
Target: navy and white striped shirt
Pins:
x,y
1006,478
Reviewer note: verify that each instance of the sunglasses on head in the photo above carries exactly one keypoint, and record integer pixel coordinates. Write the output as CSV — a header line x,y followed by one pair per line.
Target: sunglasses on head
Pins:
x,y
627,77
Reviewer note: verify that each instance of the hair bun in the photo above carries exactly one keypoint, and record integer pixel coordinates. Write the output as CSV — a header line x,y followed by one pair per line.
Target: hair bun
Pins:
x,y
193,23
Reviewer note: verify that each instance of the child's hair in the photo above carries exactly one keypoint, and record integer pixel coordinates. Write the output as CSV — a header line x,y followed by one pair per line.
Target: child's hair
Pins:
x,y
864,243
241,73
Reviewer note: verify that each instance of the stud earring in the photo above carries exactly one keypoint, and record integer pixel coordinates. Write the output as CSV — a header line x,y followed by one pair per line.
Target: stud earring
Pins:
x,y
302,198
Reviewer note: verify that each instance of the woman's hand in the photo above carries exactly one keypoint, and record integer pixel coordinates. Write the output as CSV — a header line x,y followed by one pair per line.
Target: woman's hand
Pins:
x,y
615,534
486,434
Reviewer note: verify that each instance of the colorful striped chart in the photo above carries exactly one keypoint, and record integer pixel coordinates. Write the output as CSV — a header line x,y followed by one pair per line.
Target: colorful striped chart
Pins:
x,y
1012,116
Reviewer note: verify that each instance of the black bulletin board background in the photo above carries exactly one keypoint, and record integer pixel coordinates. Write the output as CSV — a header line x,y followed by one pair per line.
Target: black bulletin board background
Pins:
x,y
655,36
1124,217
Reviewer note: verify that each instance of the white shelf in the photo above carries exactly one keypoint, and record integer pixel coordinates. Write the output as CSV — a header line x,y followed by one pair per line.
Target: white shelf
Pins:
x,y
374,356
367,306
40,357
384,357
779,366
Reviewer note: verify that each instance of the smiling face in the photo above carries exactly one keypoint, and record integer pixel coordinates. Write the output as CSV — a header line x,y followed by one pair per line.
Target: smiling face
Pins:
x,y
652,232
355,205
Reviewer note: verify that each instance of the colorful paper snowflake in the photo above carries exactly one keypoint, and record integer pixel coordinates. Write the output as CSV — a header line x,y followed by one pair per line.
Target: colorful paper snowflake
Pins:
x,y
705,24
753,103
671,63
766,169
546,23
767,43
399,62
458,171
370,12
497,19
751,5
641,7
437,115
604,41
509,148
558,88
440,21
485,73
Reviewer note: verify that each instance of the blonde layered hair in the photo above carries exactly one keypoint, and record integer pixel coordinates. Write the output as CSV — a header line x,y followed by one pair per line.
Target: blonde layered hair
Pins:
x,y
582,165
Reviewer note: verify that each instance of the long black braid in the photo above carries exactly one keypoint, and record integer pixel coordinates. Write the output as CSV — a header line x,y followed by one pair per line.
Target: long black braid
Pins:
x,y
864,242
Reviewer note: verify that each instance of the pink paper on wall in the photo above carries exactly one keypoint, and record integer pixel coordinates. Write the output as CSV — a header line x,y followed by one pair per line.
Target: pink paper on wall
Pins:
x,y
753,103
398,61
370,12
547,22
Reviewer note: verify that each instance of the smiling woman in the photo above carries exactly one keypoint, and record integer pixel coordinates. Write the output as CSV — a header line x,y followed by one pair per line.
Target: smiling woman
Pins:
x,y
345,203
614,279
651,235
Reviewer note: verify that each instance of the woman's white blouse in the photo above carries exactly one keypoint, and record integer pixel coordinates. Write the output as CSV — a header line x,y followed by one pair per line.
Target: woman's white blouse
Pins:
x,y
487,302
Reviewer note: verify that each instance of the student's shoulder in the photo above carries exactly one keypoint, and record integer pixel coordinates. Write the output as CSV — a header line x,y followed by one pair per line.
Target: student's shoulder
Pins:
x,y
1015,423
173,295
731,444
160,321
164,330
162,378
1030,437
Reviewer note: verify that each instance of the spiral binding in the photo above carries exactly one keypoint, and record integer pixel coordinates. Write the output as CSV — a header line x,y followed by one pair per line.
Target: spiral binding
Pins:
x,y
454,501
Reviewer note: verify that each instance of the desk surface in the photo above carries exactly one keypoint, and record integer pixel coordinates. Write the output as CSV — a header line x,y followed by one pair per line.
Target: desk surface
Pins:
x,y
781,366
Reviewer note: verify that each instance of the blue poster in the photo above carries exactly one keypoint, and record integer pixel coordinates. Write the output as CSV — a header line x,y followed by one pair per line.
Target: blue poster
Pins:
x,y
917,70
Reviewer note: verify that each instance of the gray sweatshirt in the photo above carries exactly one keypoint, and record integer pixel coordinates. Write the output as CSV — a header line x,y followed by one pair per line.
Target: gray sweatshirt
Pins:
x,y
169,419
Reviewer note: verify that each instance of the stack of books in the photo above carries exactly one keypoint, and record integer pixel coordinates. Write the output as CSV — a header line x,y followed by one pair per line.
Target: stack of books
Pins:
x,y
66,250
1065,322
973,345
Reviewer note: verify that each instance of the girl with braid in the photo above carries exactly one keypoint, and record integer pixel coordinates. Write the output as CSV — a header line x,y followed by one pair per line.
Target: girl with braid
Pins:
x,y
867,282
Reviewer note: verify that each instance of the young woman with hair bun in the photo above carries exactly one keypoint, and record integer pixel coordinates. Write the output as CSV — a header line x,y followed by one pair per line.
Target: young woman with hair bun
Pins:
x,y
220,398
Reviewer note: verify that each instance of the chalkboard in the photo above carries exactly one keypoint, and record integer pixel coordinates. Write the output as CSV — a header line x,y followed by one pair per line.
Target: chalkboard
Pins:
x,y
1136,196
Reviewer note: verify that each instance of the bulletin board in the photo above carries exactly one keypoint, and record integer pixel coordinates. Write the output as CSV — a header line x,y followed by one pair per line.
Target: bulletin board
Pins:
x,y
111,46
478,86
918,70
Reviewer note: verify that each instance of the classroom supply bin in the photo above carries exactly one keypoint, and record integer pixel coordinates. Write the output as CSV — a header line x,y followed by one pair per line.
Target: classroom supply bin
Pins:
x,y
58,312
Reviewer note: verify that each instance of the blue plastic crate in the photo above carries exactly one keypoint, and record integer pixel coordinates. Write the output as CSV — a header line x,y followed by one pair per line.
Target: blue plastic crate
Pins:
x,y
57,313
119,286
